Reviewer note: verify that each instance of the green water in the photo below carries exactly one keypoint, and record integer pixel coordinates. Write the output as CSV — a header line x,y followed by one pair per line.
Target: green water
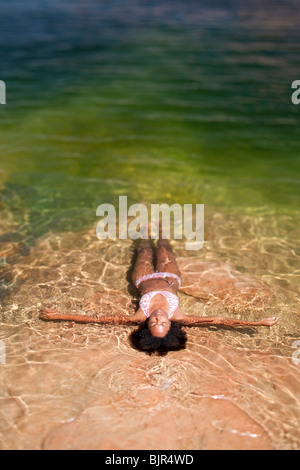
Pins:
x,y
185,102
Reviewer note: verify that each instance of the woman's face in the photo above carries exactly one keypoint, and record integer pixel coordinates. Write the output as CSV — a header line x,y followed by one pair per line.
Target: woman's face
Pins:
x,y
159,323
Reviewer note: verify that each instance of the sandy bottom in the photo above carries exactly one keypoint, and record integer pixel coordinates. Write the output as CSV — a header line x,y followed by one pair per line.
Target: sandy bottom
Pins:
x,y
72,386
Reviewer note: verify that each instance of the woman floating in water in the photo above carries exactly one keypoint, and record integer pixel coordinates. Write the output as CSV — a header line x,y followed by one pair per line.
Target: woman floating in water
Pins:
x,y
159,316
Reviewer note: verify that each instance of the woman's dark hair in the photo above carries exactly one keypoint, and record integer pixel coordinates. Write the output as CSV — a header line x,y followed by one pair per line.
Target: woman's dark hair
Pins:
x,y
143,340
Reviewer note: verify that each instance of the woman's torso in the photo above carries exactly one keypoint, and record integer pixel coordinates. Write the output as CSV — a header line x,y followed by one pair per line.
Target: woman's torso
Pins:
x,y
166,284
161,289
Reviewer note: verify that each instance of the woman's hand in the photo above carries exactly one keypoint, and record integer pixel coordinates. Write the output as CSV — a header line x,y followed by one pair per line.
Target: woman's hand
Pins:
x,y
54,315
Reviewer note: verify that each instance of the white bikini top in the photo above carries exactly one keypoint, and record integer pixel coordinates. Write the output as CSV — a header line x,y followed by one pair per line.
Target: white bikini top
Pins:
x,y
172,299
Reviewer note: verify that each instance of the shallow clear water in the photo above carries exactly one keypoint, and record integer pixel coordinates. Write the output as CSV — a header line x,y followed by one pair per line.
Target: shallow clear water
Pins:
x,y
163,102
159,101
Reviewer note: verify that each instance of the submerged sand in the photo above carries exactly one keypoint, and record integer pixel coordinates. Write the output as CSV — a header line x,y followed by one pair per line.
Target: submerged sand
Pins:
x,y
73,386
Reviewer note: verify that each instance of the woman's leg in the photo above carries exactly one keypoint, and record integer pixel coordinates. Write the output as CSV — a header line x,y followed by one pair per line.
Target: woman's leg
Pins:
x,y
144,262
165,258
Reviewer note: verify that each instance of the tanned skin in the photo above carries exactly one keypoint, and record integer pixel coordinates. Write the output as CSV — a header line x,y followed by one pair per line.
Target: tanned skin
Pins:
x,y
159,323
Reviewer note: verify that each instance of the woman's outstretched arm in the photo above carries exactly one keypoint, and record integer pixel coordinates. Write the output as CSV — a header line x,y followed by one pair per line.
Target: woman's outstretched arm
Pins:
x,y
55,315
219,321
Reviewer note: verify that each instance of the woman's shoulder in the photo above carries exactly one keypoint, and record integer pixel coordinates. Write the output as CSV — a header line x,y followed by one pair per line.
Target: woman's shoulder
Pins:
x,y
178,314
